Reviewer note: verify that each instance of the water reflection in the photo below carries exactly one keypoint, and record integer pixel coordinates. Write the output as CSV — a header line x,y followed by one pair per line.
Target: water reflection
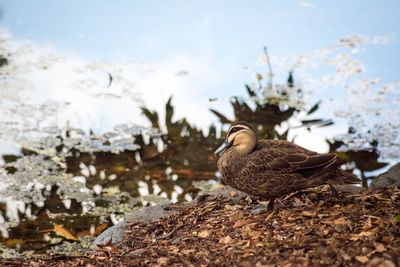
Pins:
x,y
95,181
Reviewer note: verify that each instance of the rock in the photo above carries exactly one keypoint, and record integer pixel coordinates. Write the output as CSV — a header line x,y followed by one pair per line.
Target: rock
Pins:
x,y
259,209
228,192
389,178
143,215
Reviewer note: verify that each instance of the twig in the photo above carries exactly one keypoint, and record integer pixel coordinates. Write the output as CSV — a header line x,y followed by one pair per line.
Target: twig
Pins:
x,y
270,73
292,195
170,233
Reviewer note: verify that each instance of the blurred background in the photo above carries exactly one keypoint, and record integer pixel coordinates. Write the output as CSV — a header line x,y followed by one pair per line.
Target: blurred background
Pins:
x,y
109,106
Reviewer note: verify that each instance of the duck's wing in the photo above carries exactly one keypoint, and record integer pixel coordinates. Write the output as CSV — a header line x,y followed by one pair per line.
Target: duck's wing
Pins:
x,y
283,146
285,157
300,162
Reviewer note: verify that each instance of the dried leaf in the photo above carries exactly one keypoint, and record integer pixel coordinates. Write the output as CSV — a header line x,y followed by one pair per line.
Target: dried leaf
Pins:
x,y
226,240
341,221
362,234
83,233
298,202
366,233
254,234
325,232
235,217
110,248
344,255
137,252
162,261
307,214
387,239
61,231
233,194
270,216
14,242
231,207
362,259
100,228
203,234
379,247
241,223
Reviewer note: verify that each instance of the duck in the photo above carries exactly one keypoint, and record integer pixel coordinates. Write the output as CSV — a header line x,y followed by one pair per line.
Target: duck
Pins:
x,y
270,169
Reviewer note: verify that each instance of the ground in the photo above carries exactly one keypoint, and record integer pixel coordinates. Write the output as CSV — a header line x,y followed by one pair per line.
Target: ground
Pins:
x,y
309,228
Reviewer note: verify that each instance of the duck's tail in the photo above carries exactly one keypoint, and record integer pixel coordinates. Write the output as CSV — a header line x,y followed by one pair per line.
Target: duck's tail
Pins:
x,y
342,177
337,176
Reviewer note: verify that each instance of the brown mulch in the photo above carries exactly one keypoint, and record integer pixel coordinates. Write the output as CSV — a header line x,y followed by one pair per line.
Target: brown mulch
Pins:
x,y
305,229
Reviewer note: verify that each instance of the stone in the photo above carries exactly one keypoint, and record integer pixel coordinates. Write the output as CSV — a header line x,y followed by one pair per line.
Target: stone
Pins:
x,y
389,178
142,215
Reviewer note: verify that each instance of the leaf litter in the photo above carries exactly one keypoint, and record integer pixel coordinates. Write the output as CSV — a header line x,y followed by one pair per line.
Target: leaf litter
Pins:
x,y
359,229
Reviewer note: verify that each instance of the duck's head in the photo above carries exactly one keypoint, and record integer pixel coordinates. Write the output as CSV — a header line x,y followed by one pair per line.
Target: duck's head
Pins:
x,y
241,137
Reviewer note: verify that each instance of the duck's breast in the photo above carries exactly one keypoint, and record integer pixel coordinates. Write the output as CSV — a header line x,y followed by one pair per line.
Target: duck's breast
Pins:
x,y
230,164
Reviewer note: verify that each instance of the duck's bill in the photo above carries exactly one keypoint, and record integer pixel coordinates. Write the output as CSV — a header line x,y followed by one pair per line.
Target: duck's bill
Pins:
x,y
226,144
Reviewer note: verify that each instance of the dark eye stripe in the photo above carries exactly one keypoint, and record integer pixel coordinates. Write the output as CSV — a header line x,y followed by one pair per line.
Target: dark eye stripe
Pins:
x,y
235,129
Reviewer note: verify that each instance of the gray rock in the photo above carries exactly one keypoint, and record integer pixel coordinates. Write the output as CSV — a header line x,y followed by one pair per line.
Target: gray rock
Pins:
x,y
389,178
116,232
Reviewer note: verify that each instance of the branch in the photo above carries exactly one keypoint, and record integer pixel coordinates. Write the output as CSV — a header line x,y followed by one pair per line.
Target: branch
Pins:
x,y
270,73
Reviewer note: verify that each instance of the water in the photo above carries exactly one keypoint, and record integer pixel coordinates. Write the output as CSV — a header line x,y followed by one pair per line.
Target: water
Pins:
x,y
96,181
